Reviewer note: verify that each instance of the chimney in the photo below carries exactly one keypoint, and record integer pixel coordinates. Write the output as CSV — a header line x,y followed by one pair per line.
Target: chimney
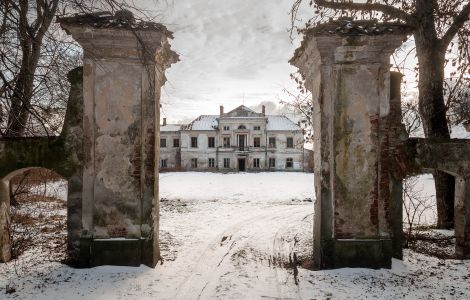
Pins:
x,y
263,110
164,121
221,110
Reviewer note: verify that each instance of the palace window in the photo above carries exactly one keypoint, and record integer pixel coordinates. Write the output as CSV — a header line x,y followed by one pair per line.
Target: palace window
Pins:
x,y
226,142
194,142
290,142
272,162
176,143
211,142
226,163
289,163
255,162
164,163
194,163
257,128
272,142
257,142
226,127
162,143
211,162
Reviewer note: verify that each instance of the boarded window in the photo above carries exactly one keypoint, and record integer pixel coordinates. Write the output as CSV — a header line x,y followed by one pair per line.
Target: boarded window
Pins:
x,y
194,142
162,143
255,162
290,142
257,142
226,142
194,163
211,162
176,143
226,163
272,142
272,162
289,163
211,142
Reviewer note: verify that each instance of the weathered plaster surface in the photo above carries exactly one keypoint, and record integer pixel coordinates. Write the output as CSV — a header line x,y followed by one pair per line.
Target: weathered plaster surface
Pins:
x,y
349,78
123,73
362,152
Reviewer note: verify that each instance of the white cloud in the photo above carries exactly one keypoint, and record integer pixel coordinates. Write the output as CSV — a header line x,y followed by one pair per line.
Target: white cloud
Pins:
x,y
232,52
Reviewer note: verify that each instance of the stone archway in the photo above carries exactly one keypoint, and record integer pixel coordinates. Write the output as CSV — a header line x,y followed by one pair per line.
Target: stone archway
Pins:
x,y
109,144
6,235
61,154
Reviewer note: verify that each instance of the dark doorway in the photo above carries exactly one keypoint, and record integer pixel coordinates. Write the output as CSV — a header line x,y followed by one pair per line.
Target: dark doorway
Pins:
x,y
241,165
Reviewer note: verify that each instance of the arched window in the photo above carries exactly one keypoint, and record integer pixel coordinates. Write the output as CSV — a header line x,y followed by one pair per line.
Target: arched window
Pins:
x,y
241,127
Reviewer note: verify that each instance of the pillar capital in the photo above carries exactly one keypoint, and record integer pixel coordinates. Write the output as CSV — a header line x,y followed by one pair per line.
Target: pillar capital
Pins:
x,y
107,36
348,42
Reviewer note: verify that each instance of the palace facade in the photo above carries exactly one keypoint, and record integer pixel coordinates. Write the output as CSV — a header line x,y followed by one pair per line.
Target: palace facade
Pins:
x,y
239,140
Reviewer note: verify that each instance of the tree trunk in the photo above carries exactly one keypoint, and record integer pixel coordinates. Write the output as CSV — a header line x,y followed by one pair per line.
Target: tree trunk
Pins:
x,y
431,58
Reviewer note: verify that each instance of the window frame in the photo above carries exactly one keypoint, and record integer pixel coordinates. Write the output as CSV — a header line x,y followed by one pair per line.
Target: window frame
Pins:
x,y
291,160
177,144
228,145
226,128
256,163
271,145
211,162
163,163
256,128
254,142
226,163
209,144
162,142
194,163
272,162
291,144
192,140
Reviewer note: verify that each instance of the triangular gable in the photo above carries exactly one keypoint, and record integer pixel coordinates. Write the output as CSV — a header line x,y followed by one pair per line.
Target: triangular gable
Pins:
x,y
242,111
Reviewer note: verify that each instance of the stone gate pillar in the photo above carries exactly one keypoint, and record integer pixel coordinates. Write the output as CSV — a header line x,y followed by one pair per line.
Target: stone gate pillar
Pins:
x,y
462,217
123,70
346,66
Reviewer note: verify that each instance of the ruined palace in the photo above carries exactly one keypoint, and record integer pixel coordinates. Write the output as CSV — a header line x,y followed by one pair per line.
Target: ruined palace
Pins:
x,y
239,140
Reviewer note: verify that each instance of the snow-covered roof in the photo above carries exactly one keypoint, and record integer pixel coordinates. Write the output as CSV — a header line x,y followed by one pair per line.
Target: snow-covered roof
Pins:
x,y
170,127
281,123
204,122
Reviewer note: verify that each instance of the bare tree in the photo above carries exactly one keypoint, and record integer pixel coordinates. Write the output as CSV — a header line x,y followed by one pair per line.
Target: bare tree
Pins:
x,y
35,56
416,206
441,36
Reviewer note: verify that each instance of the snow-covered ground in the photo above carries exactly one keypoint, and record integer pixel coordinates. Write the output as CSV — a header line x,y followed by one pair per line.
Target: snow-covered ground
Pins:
x,y
230,236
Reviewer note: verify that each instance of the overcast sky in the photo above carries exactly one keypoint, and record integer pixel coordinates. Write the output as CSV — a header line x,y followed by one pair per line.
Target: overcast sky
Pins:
x,y
232,52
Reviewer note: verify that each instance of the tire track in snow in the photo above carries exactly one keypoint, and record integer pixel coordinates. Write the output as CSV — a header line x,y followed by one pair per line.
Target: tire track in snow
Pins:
x,y
210,265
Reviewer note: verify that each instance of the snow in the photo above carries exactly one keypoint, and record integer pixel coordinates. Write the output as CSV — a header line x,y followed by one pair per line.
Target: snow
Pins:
x,y
281,123
170,128
203,122
230,236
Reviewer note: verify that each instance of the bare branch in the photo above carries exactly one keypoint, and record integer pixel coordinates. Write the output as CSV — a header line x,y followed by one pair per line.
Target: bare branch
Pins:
x,y
458,23
383,8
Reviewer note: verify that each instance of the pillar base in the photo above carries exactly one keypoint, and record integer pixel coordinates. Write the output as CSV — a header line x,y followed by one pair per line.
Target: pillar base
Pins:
x,y
116,252
356,253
